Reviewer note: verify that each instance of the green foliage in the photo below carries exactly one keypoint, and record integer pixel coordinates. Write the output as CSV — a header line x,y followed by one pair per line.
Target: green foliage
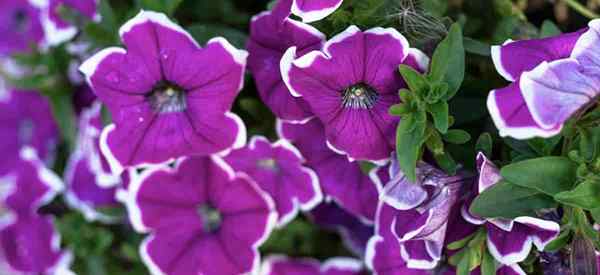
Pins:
x,y
428,96
508,200
586,195
548,175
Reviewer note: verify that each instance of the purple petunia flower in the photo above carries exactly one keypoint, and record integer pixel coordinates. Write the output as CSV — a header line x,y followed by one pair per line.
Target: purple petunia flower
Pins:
x,y
26,120
311,10
20,26
355,234
30,244
278,170
509,241
342,181
546,89
513,269
56,29
271,34
91,185
350,86
417,223
281,265
168,97
203,218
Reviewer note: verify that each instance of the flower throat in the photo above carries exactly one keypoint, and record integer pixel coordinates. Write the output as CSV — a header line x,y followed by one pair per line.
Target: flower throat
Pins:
x,y
167,98
359,96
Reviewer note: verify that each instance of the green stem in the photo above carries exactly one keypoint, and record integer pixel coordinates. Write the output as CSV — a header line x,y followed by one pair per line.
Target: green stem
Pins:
x,y
64,114
580,8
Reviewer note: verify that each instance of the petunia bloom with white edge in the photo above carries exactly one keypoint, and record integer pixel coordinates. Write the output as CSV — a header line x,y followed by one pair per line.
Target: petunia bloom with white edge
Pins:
x,y
58,30
279,170
551,80
342,181
21,26
350,85
509,240
30,244
314,10
90,183
168,96
203,218
271,34
415,222
282,265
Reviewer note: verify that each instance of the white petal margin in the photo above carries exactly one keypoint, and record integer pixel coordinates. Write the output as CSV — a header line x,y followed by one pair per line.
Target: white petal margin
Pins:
x,y
133,210
314,183
342,264
239,56
157,18
545,77
511,258
54,35
400,38
421,58
7,188
542,224
88,68
271,220
370,251
414,263
587,41
515,132
46,176
145,255
285,66
497,59
314,15
516,268
88,210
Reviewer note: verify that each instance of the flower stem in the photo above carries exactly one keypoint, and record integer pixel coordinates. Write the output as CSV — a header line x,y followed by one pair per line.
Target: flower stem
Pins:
x,y
580,8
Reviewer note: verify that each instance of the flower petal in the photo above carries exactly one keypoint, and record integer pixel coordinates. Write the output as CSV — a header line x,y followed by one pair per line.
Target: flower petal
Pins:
x,y
555,91
508,247
314,10
516,57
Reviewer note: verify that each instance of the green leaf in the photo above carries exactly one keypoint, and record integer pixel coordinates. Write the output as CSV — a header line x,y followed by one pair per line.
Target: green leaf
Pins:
x,y
461,243
439,112
64,115
549,29
416,82
204,32
595,215
477,47
448,62
508,200
399,109
485,144
488,265
456,136
409,140
561,241
585,195
549,175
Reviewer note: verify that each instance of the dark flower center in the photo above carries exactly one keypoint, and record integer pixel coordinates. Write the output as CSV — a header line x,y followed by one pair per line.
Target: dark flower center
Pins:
x,y
359,96
268,164
21,20
167,98
211,217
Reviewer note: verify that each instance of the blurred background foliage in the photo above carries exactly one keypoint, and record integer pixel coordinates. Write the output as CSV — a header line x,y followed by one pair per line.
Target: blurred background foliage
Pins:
x,y
103,250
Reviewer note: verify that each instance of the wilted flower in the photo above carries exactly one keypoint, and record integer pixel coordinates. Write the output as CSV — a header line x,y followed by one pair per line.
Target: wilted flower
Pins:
x,y
271,34
281,265
342,181
418,224
278,170
168,97
20,26
90,184
203,218
26,120
59,30
355,234
30,244
350,86
552,78
509,240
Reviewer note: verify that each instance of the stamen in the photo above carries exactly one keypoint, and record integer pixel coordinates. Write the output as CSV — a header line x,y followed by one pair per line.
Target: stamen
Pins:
x,y
359,96
211,218
167,98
